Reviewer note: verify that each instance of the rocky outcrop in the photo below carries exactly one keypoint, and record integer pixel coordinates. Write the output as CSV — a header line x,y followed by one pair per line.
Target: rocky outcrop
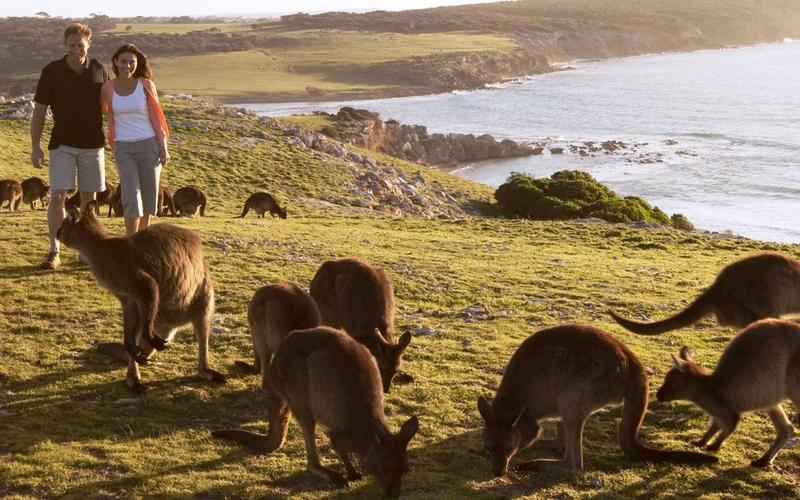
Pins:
x,y
412,142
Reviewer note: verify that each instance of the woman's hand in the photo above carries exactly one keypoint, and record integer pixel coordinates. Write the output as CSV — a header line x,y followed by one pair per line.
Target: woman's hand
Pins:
x,y
163,154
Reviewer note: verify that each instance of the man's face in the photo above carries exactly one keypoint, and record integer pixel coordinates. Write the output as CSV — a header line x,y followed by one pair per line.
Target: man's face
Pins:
x,y
77,47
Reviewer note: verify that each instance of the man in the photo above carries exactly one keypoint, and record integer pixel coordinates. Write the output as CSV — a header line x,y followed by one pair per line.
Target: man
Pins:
x,y
70,86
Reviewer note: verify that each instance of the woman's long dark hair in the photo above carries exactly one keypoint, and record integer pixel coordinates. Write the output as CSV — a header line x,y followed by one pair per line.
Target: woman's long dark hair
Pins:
x,y
142,66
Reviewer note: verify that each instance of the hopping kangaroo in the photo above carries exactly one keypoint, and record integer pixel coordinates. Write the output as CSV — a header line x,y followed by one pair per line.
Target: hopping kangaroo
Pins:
x,y
759,369
274,311
761,286
569,371
327,377
160,279
189,199
359,298
261,203
11,192
35,188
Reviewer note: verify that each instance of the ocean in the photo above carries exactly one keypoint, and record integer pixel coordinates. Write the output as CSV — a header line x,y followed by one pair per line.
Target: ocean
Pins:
x,y
712,134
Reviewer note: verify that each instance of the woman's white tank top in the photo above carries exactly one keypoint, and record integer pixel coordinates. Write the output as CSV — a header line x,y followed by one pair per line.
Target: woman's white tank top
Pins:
x,y
131,118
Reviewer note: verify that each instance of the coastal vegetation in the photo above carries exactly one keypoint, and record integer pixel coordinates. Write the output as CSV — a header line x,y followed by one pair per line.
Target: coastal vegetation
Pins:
x,y
470,288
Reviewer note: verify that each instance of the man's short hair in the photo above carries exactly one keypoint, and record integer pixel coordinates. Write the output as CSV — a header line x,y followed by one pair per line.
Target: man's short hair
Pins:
x,y
78,29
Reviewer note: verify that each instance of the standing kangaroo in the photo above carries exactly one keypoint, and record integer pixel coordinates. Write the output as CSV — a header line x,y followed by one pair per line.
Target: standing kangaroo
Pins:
x,y
261,203
765,285
166,202
115,202
758,370
274,311
11,192
327,377
189,199
359,298
35,188
569,371
160,279
102,198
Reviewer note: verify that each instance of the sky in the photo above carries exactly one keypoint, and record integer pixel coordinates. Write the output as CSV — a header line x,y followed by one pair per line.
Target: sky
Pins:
x,y
83,8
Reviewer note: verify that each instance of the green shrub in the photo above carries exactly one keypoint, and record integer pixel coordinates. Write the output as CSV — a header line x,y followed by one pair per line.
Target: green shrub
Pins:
x,y
682,222
330,131
570,194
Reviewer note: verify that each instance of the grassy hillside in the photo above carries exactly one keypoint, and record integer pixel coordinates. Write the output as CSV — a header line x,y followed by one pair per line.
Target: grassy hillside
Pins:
x,y
68,426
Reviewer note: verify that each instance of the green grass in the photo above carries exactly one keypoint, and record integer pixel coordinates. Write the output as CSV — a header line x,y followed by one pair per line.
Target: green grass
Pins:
x,y
67,433
309,59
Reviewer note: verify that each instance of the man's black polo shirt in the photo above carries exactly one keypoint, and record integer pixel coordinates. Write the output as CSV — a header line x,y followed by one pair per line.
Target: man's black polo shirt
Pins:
x,y
75,101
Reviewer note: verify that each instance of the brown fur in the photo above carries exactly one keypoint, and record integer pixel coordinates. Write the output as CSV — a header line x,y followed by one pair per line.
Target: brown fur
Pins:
x,y
11,192
261,203
189,199
326,377
359,298
569,371
758,370
166,203
102,198
159,277
760,286
115,202
274,311
35,188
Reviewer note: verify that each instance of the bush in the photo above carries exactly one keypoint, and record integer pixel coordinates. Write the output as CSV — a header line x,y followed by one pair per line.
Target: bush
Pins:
x,y
570,194
680,221
331,132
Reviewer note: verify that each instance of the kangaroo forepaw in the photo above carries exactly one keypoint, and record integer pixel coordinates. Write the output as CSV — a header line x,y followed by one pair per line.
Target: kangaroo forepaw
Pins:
x,y
761,463
337,479
699,443
140,358
713,447
158,343
137,387
403,378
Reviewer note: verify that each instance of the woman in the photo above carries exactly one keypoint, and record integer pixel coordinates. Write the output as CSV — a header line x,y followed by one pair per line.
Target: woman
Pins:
x,y
137,132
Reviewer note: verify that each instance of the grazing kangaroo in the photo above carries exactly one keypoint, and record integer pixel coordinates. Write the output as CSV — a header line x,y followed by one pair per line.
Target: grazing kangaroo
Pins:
x,y
189,199
160,279
356,297
262,203
11,192
35,188
569,371
760,286
758,370
166,203
274,311
102,198
327,377
115,202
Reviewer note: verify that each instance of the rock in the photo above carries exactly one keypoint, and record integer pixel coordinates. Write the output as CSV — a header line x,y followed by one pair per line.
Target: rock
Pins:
x,y
423,331
556,151
466,342
596,482
4,412
126,401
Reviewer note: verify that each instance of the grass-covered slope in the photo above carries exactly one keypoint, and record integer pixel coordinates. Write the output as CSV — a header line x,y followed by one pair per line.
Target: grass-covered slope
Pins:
x,y
68,426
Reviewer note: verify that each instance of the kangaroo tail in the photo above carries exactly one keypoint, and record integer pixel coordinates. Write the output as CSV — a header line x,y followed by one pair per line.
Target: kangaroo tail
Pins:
x,y
253,440
693,313
633,411
115,350
246,209
203,207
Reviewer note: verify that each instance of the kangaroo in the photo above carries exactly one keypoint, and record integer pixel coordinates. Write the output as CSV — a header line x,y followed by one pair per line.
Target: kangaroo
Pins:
x,y
359,298
35,188
262,203
115,202
327,377
188,199
160,279
166,203
759,369
569,371
11,192
760,286
102,198
274,311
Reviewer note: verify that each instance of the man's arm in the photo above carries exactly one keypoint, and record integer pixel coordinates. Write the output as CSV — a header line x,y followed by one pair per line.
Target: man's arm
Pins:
x,y
37,126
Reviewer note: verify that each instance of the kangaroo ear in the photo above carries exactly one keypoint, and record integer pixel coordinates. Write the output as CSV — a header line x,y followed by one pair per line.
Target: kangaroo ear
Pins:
x,y
409,428
90,208
405,339
485,409
679,364
686,354
73,215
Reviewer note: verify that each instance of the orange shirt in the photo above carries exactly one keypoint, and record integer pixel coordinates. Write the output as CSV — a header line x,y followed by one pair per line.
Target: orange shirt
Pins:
x,y
154,111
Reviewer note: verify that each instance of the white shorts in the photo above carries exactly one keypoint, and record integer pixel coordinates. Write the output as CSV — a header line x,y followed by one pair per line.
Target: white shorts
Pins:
x,y
89,164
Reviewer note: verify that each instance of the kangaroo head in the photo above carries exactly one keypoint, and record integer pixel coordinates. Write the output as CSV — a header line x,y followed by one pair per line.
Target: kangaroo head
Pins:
x,y
501,437
282,212
678,382
388,460
78,225
389,356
